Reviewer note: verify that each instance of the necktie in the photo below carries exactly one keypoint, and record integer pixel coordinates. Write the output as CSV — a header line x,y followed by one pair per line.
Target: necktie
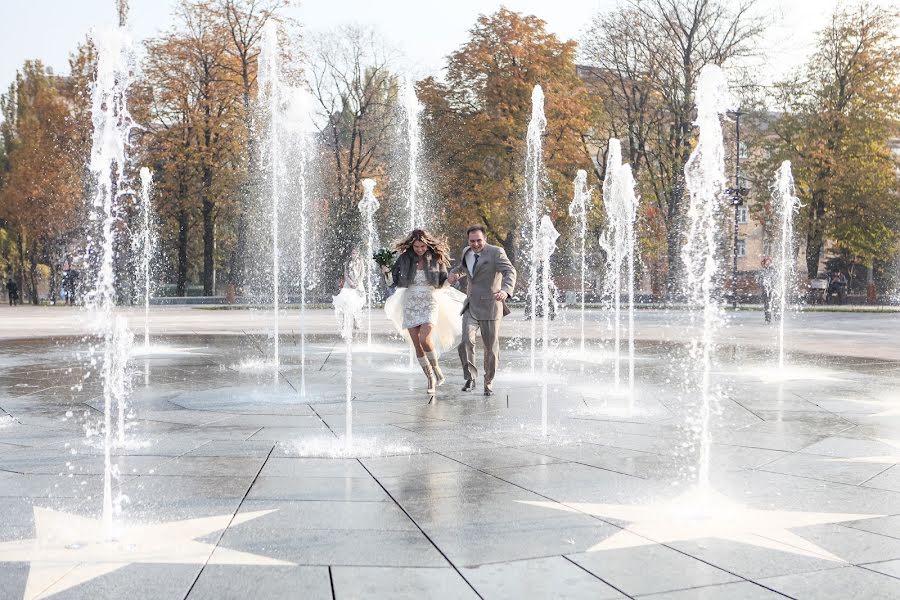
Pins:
x,y
474,264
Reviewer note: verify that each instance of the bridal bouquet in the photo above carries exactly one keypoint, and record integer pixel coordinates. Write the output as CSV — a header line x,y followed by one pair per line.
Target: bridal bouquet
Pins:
x,y
384,258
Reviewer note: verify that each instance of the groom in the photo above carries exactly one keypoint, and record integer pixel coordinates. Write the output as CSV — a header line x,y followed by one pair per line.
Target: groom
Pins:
x,y
492,279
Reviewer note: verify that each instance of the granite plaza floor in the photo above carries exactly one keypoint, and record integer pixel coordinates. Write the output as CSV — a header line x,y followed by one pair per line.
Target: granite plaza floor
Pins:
x,y
233,485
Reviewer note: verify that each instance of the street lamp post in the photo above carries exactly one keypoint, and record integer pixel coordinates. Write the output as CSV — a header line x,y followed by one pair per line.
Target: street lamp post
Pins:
x,y
736,194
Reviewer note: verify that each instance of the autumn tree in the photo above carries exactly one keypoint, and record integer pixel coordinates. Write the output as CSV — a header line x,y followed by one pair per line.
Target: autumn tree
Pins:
x,y
478,118
197,113
837,119
40,186
646,57
243,23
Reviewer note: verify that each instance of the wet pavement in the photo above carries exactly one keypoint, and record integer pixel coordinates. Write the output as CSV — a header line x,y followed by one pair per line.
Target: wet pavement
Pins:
x,y
233,483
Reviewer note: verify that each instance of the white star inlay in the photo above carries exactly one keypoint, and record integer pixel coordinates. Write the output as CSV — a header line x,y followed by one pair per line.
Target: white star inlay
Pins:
x,y
697,515
69,550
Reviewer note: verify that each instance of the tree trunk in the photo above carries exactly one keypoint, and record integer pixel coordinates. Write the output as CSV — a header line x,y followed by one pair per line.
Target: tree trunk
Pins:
x,y
51,294
20,276
237,263
509,244
871,296
32,279
208,246
181,277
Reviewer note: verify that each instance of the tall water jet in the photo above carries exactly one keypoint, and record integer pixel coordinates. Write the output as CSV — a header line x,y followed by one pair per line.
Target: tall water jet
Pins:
x,y
412,110
547,236
611,244
367,206
625,198
618,242
704,175
347,308
119,383
581,204
534,198
108,164
269,99
787,204
298,123
147,247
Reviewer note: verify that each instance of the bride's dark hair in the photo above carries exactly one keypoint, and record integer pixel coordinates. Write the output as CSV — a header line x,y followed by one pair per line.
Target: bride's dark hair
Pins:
x,y
437,246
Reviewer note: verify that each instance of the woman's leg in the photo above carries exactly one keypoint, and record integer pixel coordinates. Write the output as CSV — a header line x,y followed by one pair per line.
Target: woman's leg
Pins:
x,y
414,336
427,344
425,337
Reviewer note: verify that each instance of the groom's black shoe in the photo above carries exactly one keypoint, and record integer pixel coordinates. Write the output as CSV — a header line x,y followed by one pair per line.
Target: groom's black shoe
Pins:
x,y
488,390
470,385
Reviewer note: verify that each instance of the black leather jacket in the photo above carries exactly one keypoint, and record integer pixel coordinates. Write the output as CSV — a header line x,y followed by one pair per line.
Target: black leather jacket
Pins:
x,y
404,270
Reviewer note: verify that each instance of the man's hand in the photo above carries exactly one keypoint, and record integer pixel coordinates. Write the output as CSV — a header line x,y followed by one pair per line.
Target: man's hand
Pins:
x,y
501,296
453,278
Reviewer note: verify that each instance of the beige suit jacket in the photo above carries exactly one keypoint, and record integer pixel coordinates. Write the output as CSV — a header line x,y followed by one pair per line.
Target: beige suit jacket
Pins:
x,y
493,274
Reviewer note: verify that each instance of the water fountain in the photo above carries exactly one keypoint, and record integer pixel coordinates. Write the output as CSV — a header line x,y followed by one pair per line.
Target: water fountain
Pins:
x,y
547,236
108,165
147,247
579,208
270,100
120,383
787,204
534,198
298,123
347,308
705,179
618,242
412,110
611,248
367,206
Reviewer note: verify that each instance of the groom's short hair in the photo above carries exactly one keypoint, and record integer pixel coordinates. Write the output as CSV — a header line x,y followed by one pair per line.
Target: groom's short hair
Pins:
x,y
476,228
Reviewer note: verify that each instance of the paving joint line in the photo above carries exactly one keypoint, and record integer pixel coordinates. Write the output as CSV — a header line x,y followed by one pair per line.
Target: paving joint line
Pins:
x,y
419,527
594,575
230,521
652,541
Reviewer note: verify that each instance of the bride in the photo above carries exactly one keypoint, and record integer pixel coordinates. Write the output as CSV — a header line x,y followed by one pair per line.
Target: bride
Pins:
x,y
422,307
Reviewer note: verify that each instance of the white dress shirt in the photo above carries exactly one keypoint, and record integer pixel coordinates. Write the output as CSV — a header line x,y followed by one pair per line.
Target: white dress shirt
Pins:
x,y
470,261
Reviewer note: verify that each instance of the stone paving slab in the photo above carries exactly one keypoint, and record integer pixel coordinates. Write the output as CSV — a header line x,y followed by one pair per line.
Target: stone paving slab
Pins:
x,y
462,498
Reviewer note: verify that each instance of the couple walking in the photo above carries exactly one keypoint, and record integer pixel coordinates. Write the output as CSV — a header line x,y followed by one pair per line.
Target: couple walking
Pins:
x,y
436,316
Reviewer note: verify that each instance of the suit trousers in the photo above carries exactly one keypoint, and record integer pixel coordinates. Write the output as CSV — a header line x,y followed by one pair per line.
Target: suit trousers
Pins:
x,y
491,339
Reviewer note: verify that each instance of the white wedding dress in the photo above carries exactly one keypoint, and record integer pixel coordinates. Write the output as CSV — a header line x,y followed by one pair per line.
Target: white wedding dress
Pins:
x,y
420,303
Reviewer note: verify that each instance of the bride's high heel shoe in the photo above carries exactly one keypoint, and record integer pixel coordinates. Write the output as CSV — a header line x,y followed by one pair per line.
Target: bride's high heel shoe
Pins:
x,y
433,361
429,374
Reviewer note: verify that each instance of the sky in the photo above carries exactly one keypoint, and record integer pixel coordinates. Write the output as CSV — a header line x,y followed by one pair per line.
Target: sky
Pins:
x,y
423,32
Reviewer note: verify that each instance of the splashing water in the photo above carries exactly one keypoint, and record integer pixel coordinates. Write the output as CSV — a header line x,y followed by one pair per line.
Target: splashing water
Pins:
x,y
618,242
611,245
297,121
547,240
367,206
147,246
534,198
787,204
581,203
412,110
269,98
347,308
705,177
108,164
120,383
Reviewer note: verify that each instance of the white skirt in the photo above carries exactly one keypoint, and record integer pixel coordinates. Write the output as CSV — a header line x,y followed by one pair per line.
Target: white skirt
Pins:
x,y
447,330
348,305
